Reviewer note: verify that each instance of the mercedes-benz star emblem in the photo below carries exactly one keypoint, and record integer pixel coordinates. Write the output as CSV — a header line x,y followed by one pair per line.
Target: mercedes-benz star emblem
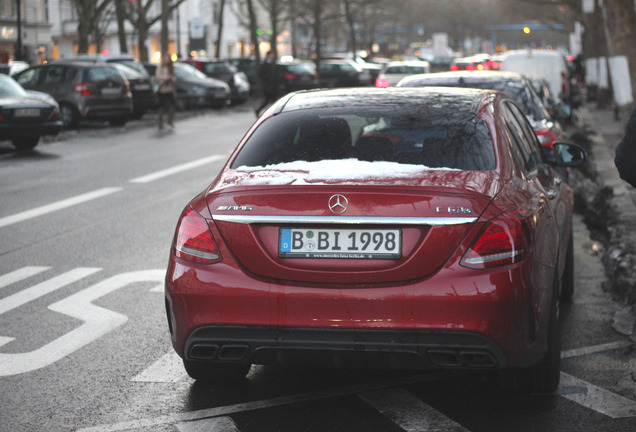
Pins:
x,y
338,204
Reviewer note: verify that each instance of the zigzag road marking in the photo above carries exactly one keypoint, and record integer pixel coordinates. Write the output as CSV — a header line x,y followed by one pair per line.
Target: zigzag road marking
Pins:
x,y
97,320
20,274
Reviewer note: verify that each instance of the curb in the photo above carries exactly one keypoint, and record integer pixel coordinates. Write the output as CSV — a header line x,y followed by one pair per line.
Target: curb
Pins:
x,y
610,203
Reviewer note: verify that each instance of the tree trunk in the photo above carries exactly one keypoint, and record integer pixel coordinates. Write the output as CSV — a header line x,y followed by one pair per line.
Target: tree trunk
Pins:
x,y
142,35
317,31
83,34
219,33
121,29
253,27
353,43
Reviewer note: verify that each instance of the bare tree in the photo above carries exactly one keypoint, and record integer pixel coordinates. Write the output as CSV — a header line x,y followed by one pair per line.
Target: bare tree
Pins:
x,y
120,12
89,14
219,34
138,16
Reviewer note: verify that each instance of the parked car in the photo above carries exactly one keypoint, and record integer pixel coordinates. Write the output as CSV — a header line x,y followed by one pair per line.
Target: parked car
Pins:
x,y
224,71
84,91
371,67
25,116
249,66
394,71
125,59
398,228
551,65
342,73
144,98
515,85
472,63
13,67
296,76
194,89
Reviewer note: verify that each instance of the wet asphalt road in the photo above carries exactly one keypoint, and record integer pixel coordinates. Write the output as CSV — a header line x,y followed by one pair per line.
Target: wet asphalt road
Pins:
x,y
86,223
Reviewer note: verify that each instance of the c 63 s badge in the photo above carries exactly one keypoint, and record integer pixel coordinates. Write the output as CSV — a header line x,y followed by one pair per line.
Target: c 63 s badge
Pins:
x,y
454,210
234,208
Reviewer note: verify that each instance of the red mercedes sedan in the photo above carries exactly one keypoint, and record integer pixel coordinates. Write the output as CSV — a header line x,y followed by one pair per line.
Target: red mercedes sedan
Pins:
x,y
400,228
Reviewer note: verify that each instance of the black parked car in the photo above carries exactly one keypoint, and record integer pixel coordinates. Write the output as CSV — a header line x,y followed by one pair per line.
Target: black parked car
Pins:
x,y
26,116
296,76
144,98
91,91
125,59
224,71
194,89
342,73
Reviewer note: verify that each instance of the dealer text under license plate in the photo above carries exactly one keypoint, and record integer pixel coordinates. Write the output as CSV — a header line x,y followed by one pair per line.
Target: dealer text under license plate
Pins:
x,y
340,243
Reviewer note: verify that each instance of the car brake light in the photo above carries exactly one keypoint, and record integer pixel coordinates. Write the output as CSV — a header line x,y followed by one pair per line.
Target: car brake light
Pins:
x,y
504,241
128,93
470,67
564,82
82,88
290,77
381,82
454,68
193,240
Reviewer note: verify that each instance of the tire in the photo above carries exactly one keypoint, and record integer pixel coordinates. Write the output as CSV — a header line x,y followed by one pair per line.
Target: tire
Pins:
x,y
544,377
567,282
25,143
118,121
69,115
216,373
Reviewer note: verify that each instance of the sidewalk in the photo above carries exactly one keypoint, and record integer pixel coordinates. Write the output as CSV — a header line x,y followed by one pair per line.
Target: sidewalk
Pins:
x,y
615,200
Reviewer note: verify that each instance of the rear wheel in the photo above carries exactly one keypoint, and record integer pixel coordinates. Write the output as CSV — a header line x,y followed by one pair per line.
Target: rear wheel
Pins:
x,y
218,373
544,377
25,143
69,115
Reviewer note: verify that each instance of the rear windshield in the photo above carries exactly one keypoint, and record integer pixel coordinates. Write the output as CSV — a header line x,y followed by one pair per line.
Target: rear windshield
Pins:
x,y
437,139
99,74
219,68
405,70
10,88
299,69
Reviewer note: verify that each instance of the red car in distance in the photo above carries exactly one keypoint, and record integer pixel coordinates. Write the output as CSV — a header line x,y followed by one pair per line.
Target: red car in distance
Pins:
x,y
389,228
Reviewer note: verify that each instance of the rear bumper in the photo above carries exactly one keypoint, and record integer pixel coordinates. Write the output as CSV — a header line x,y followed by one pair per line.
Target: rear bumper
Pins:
x,y
10,131
387,349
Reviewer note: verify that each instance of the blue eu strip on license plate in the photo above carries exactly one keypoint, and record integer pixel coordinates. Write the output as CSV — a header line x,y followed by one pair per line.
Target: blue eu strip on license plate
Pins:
x,y
340,243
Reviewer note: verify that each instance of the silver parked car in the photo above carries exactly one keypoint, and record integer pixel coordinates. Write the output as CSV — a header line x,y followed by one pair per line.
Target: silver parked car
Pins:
x,y
83,90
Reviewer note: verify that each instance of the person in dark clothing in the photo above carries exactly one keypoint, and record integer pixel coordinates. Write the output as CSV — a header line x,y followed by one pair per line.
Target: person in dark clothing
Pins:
x,y
625,159
267,75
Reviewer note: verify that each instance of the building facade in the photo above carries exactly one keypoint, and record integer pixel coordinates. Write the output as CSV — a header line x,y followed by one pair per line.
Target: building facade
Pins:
x,y
34,28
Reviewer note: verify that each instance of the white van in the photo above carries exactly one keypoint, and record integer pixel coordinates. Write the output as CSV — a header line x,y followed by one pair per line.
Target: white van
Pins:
x,y
550,65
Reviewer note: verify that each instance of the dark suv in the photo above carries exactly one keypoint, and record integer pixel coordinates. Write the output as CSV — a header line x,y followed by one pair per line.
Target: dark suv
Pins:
x,y
83,90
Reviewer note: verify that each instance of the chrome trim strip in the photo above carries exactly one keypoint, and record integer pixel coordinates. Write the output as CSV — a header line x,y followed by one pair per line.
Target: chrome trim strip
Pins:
x,y
344,220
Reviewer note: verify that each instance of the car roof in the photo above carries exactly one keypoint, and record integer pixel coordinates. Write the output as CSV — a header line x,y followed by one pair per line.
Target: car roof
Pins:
x,y
368,96
467,76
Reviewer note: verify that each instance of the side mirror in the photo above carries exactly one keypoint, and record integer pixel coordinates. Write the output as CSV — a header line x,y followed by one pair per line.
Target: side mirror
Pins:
x,y
568,155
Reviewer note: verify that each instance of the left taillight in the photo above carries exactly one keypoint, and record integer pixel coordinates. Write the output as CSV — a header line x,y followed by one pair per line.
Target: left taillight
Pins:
x,y
193,240
382,82
503,241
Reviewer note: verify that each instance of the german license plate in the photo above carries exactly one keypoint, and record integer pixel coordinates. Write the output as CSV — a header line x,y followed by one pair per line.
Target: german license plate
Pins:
x,y
140,87
111,92
340,243
27,112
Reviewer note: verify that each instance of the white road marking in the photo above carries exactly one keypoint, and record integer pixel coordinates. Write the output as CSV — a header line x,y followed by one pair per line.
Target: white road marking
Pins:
x,y
168,419
594,349
409,412
49,208
218,424
168,369
596,398
97,322
20,274
48,286
177,169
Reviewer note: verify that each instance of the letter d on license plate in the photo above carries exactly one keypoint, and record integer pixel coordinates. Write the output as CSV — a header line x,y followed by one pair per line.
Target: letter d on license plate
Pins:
x,y
340,243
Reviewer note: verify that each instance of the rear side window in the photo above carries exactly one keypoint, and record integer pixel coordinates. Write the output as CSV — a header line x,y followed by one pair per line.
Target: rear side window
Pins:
x,y
29,77
435,139
100,74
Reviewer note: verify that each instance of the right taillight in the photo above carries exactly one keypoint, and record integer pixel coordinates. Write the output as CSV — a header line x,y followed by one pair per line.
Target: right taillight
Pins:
x,y
503,241
193,240
82,88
